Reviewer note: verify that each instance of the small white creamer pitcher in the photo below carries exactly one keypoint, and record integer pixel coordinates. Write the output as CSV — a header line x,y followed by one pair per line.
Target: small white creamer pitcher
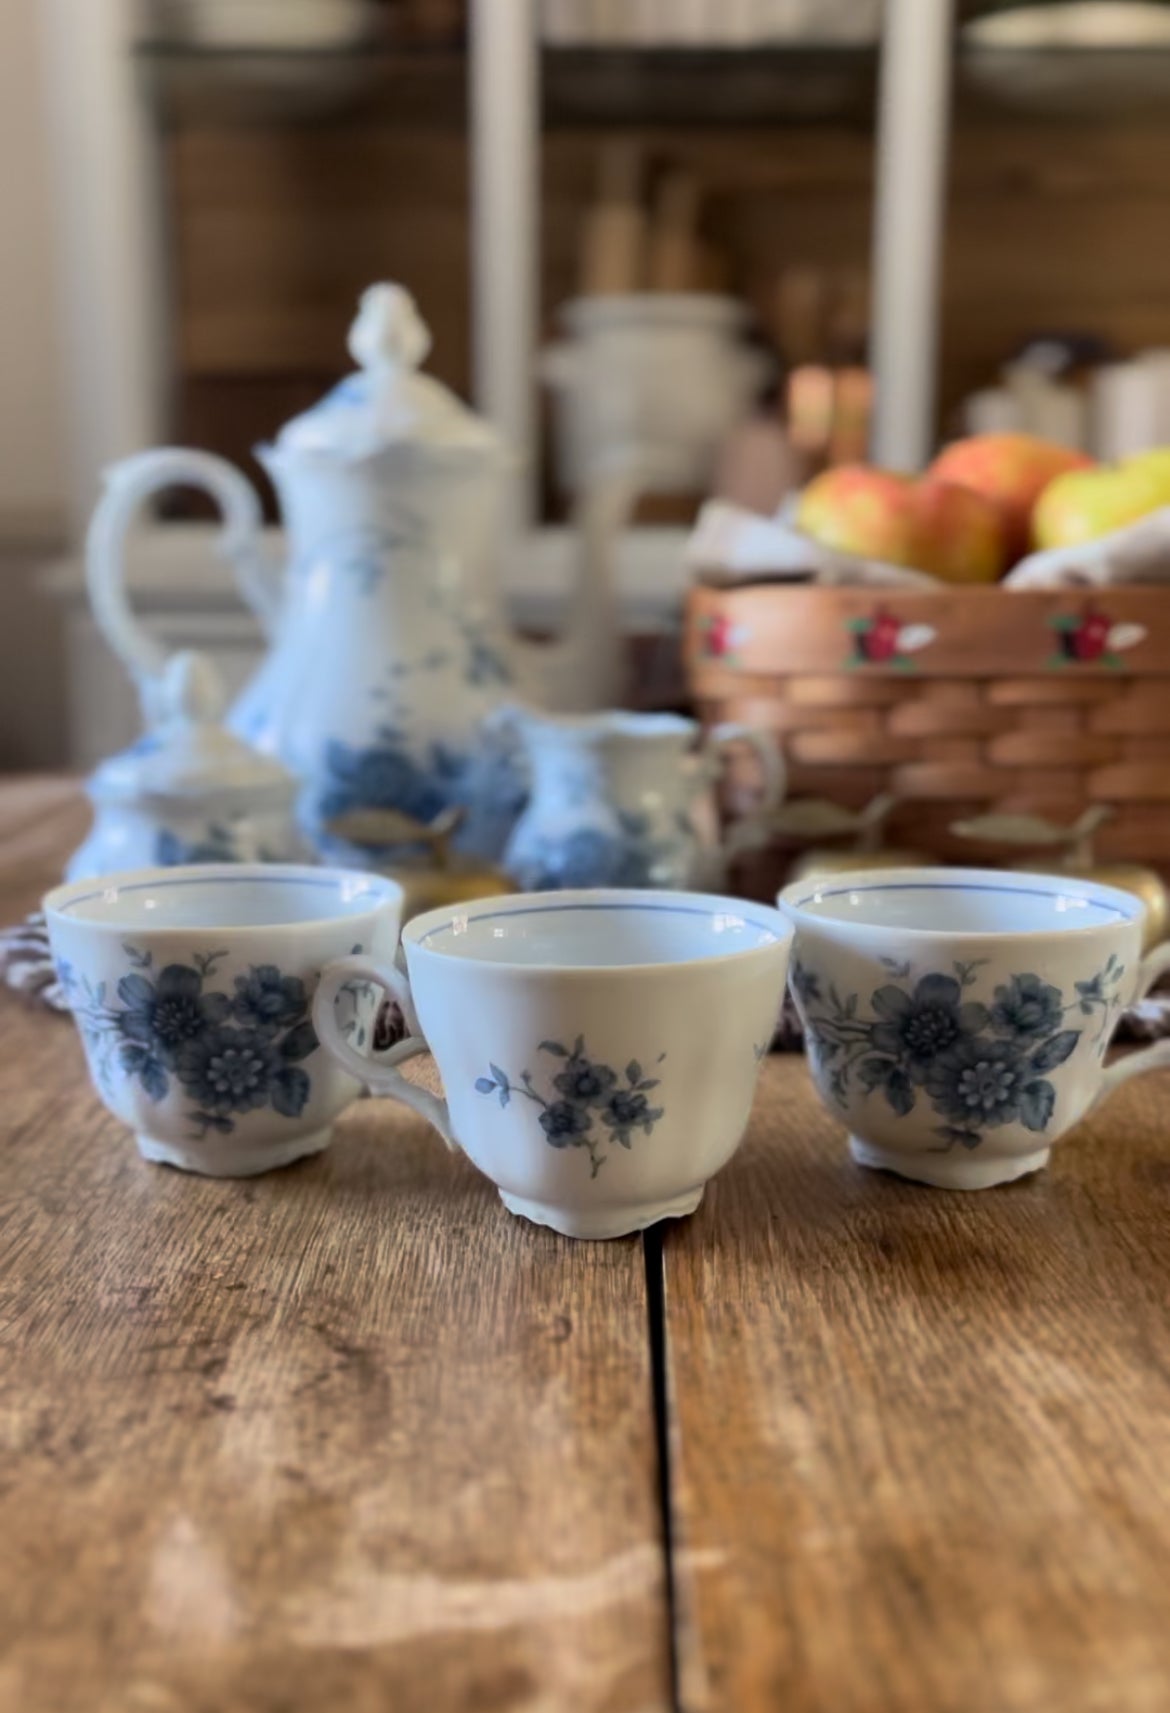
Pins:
x,y
617,799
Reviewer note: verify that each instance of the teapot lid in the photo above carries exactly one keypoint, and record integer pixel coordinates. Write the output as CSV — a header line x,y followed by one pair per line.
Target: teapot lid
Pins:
x,y
387,402
187,753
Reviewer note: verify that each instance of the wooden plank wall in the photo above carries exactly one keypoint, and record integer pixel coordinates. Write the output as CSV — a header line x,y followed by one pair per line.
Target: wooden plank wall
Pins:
x,y
276,229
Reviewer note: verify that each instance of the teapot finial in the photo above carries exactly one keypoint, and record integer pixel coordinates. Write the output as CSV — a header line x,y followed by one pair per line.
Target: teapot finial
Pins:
x,y
388,331
192,690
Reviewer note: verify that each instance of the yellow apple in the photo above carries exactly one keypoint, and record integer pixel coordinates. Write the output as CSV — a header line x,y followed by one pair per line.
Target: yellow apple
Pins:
x,y
1157,465
1084,505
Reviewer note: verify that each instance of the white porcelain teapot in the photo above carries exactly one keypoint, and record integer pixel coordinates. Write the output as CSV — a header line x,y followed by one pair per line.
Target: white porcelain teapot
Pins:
x,y
387,638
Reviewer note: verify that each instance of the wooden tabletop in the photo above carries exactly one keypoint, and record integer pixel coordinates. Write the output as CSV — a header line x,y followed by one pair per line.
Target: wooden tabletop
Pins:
x,y
350,1437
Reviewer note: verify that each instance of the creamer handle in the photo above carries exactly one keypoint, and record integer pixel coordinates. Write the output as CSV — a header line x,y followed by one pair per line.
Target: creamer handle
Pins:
x,y
1158,1053
767,752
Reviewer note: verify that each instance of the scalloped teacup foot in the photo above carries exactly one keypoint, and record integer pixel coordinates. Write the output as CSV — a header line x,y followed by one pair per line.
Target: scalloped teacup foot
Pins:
x,y
227,1159
606,1221
946,1171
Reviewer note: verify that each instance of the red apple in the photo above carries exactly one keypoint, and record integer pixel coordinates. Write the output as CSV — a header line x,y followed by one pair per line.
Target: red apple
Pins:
x,y
928,525
961,534
1010,469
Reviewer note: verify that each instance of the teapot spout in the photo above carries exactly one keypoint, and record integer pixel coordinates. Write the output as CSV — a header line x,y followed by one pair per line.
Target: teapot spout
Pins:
x,y
585,668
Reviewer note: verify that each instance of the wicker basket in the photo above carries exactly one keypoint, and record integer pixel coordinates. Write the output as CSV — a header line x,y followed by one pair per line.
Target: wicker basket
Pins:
x,y
959,702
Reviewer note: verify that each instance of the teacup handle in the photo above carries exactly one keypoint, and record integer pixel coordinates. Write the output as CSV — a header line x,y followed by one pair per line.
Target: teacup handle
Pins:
x,y
1158,1052
767,752
377,1072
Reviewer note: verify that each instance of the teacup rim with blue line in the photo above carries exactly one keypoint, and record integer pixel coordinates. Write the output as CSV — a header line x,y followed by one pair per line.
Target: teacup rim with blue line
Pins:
x,y
1112,906
733,916
357,891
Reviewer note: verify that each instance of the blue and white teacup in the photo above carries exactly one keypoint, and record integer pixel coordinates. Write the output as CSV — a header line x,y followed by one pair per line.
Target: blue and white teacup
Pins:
x,y
192,990
599,1050
957,1019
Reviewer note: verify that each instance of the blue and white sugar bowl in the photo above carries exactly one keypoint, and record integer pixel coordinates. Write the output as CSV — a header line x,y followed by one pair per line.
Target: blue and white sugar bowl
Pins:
x,y
188,791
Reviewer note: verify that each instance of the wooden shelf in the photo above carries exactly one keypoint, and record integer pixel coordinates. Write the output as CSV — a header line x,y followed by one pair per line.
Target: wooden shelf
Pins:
x,y
708,86
582,87
263,86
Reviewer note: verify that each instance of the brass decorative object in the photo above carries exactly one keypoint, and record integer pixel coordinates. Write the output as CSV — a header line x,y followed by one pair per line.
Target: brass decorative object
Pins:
x,y
436,876
816,819
1074,844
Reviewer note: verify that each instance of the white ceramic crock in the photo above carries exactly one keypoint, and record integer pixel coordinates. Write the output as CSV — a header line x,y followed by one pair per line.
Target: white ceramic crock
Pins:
x,y
666,373
599,1050
957,1019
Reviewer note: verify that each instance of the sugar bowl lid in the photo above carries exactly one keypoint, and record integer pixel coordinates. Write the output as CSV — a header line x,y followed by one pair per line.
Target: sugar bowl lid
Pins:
x,y
187,753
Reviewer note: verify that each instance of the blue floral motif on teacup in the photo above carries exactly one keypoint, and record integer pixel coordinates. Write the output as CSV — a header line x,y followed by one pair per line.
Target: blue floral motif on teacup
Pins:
x,y
230,1053
585,1093
1027,1008
268,1000
980,1063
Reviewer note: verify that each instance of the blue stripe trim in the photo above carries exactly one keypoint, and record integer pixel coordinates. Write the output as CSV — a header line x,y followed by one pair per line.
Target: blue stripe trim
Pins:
x,y
566,909
322,885
1091,903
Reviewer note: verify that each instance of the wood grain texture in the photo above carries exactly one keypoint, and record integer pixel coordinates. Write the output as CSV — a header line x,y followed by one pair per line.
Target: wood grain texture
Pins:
x,y
347,1436
42,819
921,1438
276,226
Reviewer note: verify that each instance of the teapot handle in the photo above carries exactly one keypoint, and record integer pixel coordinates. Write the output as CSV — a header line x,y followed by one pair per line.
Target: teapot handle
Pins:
x,y
767,752
128,485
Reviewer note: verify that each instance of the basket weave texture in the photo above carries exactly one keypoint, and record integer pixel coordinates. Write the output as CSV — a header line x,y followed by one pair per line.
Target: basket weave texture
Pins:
x,y
960,702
